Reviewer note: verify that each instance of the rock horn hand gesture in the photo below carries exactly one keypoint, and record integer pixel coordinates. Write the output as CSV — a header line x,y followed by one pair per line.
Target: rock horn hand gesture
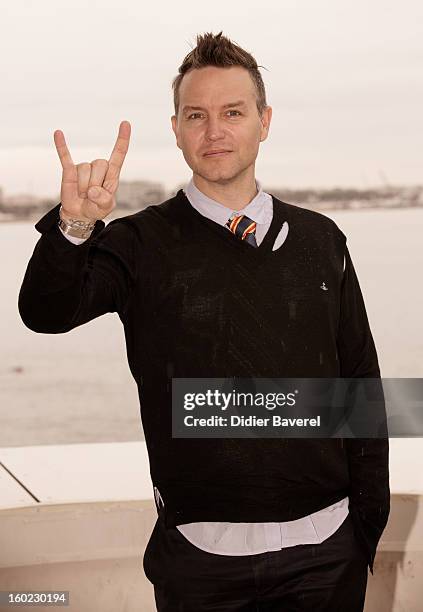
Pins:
x,y
88,189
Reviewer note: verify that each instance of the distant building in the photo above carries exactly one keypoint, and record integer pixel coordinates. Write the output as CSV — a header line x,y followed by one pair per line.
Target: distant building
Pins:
x,y
336,198
136,195
23,205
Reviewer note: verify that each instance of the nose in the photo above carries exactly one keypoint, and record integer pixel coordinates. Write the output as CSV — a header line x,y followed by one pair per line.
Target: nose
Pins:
x,y
214,129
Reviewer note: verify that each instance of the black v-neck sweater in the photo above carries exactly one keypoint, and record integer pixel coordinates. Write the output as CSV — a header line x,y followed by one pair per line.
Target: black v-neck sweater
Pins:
x,y
196,301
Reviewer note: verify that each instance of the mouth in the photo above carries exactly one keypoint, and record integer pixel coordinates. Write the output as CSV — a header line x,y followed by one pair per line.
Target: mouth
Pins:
x,y
216,153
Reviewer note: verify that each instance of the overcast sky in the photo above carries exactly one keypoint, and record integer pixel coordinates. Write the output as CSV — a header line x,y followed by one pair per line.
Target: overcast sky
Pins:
x,y
344,78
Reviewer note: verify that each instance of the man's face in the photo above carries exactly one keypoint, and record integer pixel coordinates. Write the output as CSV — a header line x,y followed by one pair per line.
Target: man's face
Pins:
x,y
218,111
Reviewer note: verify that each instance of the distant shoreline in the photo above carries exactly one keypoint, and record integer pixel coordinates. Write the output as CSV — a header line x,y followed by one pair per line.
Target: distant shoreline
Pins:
x,y
7,218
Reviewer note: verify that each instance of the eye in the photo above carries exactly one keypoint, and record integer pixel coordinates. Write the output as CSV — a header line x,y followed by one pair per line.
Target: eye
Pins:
x,y
195,115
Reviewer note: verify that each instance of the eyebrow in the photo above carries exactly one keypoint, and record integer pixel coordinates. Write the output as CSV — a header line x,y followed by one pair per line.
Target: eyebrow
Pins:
x,y
228,105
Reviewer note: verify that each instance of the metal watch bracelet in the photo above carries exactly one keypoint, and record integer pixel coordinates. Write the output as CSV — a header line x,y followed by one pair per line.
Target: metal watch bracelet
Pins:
x,y
75,227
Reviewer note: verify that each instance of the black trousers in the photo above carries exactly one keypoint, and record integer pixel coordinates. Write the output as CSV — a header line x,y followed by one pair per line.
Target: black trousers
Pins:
x,y
329,577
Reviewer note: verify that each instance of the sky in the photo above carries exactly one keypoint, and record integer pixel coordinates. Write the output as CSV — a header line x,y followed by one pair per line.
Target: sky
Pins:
x,y
344,79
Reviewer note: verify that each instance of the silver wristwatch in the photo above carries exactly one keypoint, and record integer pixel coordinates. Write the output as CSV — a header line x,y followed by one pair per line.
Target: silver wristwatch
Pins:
x,y
75,227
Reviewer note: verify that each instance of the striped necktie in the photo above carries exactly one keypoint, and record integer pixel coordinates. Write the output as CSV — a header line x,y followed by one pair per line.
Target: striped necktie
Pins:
x,y
243,227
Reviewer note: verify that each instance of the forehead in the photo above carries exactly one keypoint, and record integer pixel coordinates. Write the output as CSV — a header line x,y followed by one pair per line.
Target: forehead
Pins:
x,y
214,86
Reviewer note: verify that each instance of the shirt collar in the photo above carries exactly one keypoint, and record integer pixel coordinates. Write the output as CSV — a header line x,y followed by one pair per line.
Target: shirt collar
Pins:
x,y
258,209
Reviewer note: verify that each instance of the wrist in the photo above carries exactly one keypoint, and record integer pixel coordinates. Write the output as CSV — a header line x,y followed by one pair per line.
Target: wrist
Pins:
x,y
77,228
71,218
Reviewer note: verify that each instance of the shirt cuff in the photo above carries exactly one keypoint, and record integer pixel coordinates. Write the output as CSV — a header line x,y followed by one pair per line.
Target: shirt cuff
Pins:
x,y
73,239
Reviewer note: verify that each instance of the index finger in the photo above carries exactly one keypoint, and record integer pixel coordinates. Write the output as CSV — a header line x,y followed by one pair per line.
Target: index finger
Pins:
x,y
62,149
119,150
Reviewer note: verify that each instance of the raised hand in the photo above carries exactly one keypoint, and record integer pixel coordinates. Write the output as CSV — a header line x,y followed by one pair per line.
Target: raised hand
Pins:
x,y
88,189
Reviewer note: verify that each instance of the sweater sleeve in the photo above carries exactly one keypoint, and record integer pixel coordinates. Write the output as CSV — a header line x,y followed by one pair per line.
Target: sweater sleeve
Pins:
x,y
356,348
66,285
368,458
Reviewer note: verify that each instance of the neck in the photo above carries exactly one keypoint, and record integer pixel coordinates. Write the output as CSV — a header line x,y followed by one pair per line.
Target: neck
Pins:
x,y
235,193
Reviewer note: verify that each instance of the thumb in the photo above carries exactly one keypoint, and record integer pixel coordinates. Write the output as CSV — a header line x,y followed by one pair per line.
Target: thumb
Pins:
x,y
100,196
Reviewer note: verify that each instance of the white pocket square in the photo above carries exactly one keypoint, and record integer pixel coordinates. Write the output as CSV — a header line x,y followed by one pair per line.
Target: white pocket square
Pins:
x,y
281,237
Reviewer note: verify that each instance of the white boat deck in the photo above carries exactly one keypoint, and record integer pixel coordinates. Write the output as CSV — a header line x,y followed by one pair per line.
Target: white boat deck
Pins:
x,y
74,473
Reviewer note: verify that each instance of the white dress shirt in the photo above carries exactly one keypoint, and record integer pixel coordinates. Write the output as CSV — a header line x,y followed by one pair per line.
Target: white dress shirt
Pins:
x,y
225,538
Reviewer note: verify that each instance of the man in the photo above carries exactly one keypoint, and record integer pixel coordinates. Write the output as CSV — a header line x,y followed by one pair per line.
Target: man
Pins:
x,y
225,280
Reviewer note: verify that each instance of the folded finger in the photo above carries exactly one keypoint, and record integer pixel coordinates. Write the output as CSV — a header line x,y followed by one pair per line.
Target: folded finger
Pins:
x,y
99,169
84,173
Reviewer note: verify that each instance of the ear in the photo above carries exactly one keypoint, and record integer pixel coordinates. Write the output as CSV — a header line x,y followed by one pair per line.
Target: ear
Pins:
x,y
174,122
265,122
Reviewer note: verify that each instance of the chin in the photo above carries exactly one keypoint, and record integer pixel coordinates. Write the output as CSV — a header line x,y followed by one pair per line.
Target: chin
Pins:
x,y
216,174
221,178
